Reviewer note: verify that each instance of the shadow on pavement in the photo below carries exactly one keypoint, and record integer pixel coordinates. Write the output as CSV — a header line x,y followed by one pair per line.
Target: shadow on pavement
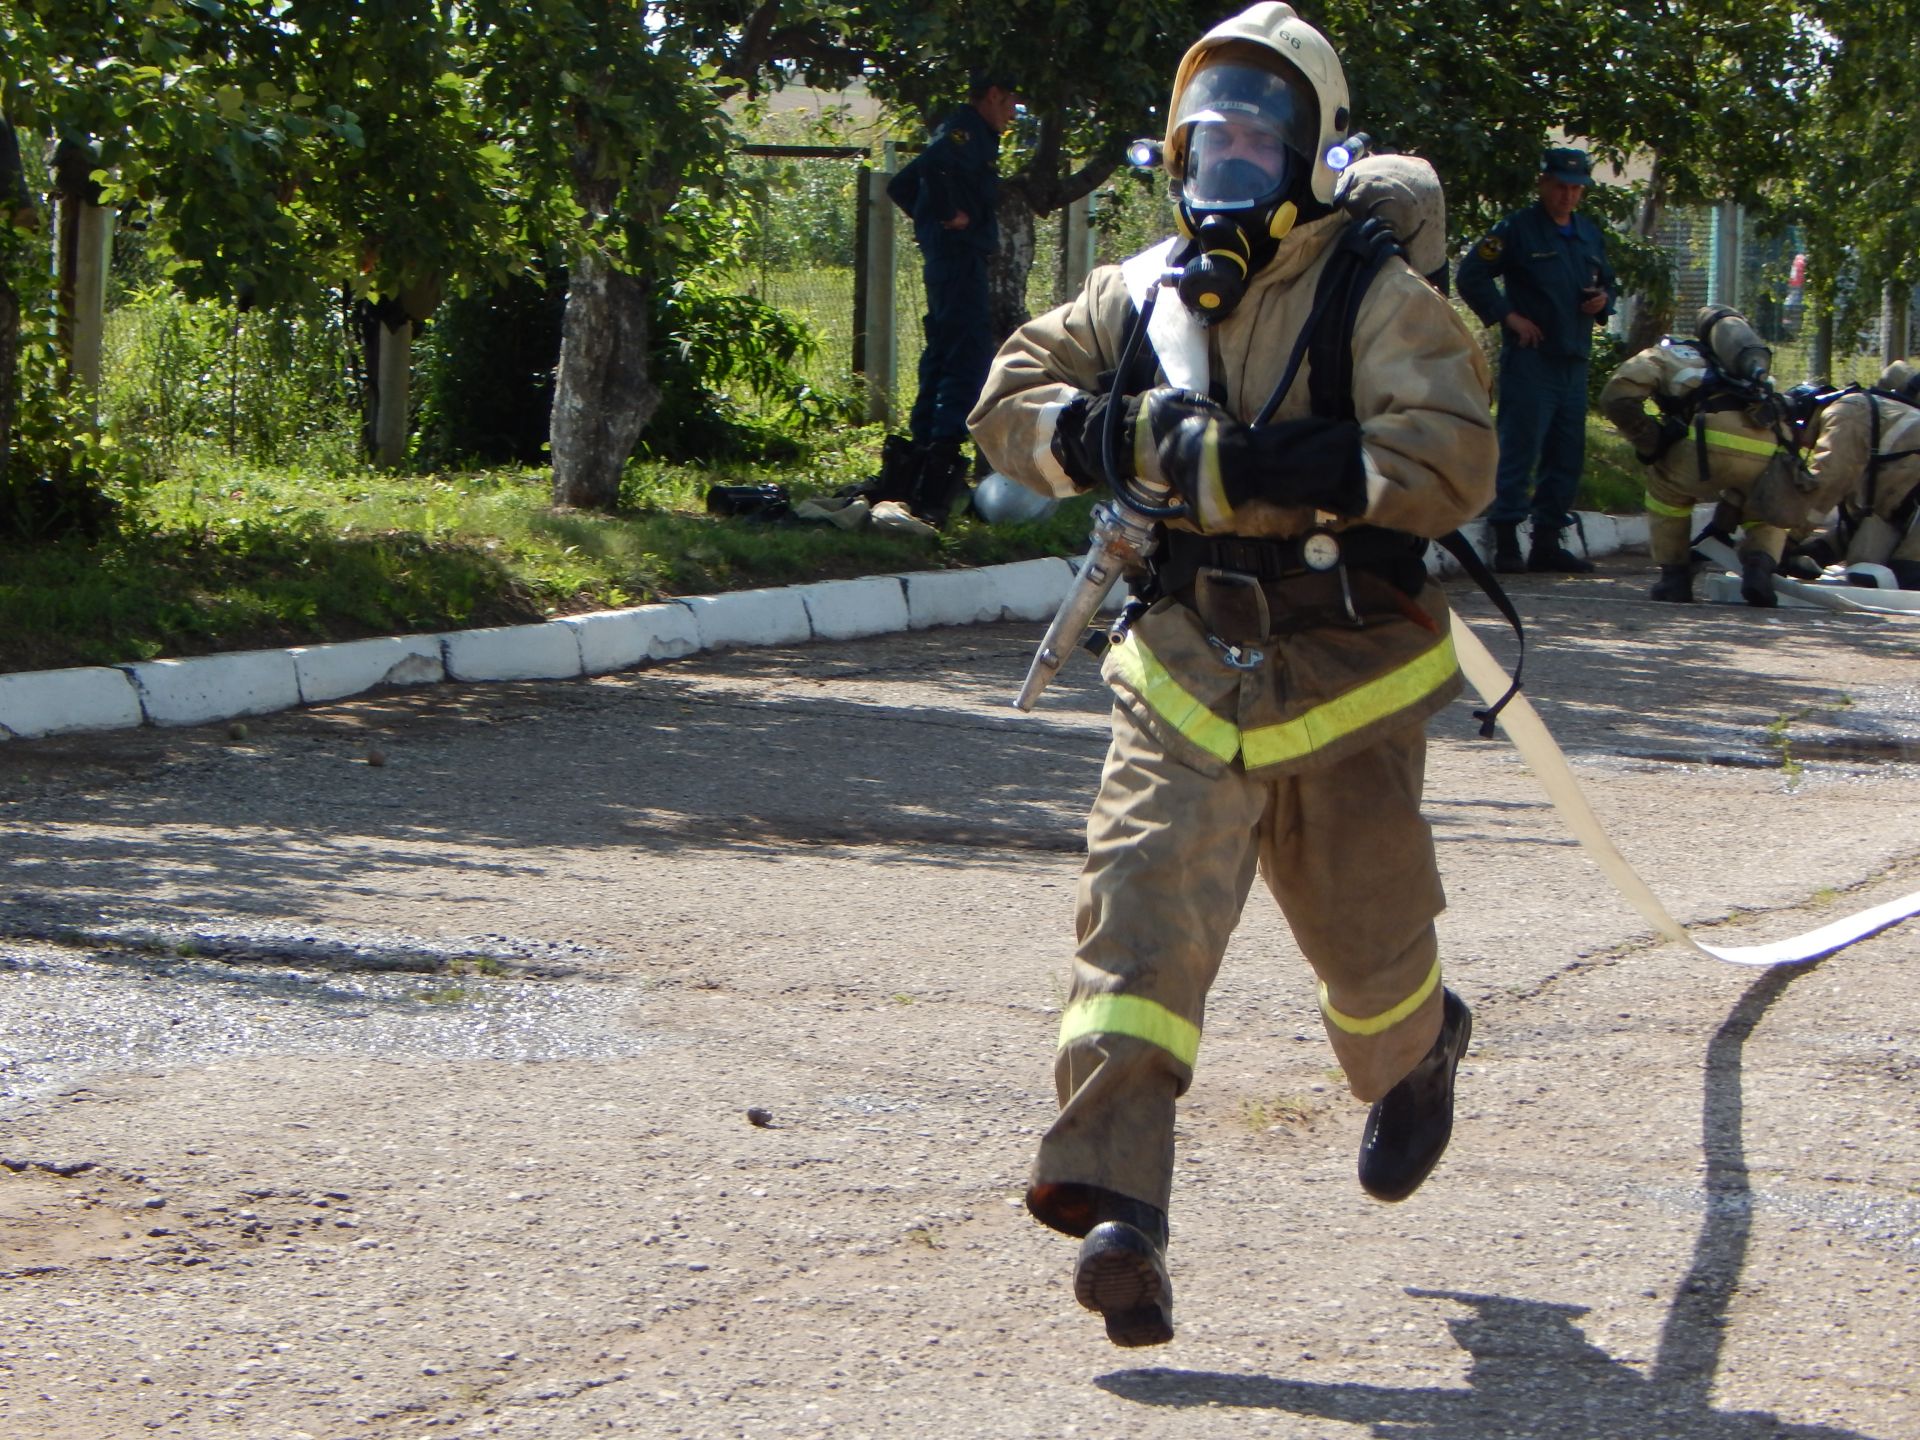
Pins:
x,y
1533,1372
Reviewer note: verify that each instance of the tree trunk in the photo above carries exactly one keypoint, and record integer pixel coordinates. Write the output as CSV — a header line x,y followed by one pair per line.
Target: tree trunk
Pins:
x,y
9,374
1650,317
602,397
1012,262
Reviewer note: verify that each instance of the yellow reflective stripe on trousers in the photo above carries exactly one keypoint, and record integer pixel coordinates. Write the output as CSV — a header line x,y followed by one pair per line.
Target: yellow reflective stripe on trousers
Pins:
x,y
1727,440
1133,1015
1172,701
1380,697
1387,1019
1672,512
1360,707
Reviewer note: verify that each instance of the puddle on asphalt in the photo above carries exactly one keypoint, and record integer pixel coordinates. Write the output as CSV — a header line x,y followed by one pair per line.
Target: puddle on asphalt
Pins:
x,y
72,1011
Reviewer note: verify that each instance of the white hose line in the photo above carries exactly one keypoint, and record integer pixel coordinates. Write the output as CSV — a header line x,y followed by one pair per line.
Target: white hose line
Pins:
x,y
1854,599
1543,756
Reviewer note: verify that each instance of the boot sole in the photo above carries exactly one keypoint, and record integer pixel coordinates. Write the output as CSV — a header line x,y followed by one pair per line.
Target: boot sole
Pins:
x,y
1122,1283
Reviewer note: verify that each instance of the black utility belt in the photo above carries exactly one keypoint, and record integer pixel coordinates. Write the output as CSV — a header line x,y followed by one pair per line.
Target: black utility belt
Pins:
x,y
1392,553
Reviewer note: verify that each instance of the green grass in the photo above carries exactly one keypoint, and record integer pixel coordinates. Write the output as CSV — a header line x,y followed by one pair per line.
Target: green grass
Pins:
x,y
224,556
1613,481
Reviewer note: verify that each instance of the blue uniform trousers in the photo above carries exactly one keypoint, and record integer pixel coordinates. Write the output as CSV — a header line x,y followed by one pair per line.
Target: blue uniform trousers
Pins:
x,y
959,343
1542,422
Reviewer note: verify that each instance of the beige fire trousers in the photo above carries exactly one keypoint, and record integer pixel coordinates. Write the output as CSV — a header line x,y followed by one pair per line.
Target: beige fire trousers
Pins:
x,y
1171,855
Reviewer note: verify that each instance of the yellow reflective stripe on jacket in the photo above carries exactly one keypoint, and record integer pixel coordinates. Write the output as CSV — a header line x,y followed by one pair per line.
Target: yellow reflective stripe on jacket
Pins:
x,y
1672,512
1380,697
1172,701
1331,720
1387,1019
1746,444
1133,1015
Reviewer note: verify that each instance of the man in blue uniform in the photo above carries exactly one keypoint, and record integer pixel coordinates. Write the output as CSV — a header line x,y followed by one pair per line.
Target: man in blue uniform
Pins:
x,y
950,189
1542,276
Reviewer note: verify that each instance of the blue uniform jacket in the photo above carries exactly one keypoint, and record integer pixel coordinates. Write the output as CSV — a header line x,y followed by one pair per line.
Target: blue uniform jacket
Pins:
x,y
1544,273
959,170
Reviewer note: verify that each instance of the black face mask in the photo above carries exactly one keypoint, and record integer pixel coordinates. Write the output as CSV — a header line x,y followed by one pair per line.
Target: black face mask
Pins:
x,y
1213,281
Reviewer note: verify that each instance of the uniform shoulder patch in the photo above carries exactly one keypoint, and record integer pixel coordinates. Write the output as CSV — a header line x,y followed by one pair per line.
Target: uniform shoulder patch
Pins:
x,y
959,137
1490,248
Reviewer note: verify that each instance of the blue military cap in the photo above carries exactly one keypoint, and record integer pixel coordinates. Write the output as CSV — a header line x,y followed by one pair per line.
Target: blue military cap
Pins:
x,y
1562,162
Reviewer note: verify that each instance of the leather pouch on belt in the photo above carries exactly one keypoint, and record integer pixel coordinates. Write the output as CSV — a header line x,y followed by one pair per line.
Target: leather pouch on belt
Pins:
x,y
1232,606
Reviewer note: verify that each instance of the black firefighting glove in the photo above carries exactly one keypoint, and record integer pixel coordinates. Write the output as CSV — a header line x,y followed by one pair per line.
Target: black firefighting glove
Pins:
x,y
1145,422
1219,464
1672,430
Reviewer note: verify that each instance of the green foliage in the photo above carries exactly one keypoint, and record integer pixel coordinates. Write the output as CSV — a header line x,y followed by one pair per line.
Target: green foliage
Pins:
x,y
268,386
485,373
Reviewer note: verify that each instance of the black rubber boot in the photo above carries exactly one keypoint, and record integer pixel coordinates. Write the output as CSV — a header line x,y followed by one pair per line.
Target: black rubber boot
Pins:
x,y
1408,1127
1756,580
1507,559
1549,557
941,481
1674,585
1121,1271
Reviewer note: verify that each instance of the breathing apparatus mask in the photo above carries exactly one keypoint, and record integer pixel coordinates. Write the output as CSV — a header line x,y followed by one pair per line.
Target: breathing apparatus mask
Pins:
x,y
1242,136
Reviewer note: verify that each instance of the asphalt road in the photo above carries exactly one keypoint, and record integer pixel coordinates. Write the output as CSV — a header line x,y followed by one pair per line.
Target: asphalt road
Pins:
x,y
384,1069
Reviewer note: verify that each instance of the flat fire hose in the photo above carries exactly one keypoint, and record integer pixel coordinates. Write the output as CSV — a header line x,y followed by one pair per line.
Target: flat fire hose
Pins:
x,y
1844,598
1549,766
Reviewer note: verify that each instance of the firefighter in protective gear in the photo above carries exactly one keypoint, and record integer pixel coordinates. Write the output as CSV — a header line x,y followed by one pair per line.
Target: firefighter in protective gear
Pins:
x,y
1270,700
1716,433
1865,458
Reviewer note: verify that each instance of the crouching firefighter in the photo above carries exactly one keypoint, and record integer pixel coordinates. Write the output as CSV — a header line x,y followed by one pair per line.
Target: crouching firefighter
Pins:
x,y
1298,409
1717,433
1865,458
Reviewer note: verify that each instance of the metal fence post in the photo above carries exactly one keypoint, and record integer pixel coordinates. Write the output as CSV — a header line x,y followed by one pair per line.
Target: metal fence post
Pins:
x,y
874,328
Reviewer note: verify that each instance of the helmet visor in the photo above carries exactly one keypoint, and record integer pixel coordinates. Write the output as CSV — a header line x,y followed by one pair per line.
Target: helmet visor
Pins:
x,y
1246,130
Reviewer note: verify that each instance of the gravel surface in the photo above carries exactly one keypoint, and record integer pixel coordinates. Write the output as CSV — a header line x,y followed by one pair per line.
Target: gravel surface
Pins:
x,y
663,1054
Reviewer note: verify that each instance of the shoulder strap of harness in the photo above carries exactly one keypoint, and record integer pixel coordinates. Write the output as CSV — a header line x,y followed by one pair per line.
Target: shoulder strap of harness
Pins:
x,y
1328,343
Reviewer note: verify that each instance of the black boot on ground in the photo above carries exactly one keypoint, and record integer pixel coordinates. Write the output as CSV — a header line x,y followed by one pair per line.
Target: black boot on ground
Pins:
x,y
900,462
1507,559
941,482
1756,580
1549,557
1408,1127
1122,1269
1675,585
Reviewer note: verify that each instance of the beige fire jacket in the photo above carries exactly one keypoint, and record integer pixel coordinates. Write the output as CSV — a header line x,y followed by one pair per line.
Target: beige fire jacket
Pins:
x,y
1843,442
1740,442
1420,394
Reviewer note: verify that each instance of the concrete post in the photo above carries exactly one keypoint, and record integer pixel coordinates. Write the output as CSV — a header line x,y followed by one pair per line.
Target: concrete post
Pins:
x,y
1723,276
390,401
1076,253
1893,323
876,322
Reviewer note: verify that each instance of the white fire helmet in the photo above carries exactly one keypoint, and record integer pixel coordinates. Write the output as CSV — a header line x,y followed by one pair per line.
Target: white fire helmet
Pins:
x,y
1252,41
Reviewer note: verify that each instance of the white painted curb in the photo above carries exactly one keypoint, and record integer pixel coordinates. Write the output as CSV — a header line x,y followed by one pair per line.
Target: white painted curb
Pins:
x,y
60,702
37,703
751,617
333,672
612,640
850,609
215,687
513,652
